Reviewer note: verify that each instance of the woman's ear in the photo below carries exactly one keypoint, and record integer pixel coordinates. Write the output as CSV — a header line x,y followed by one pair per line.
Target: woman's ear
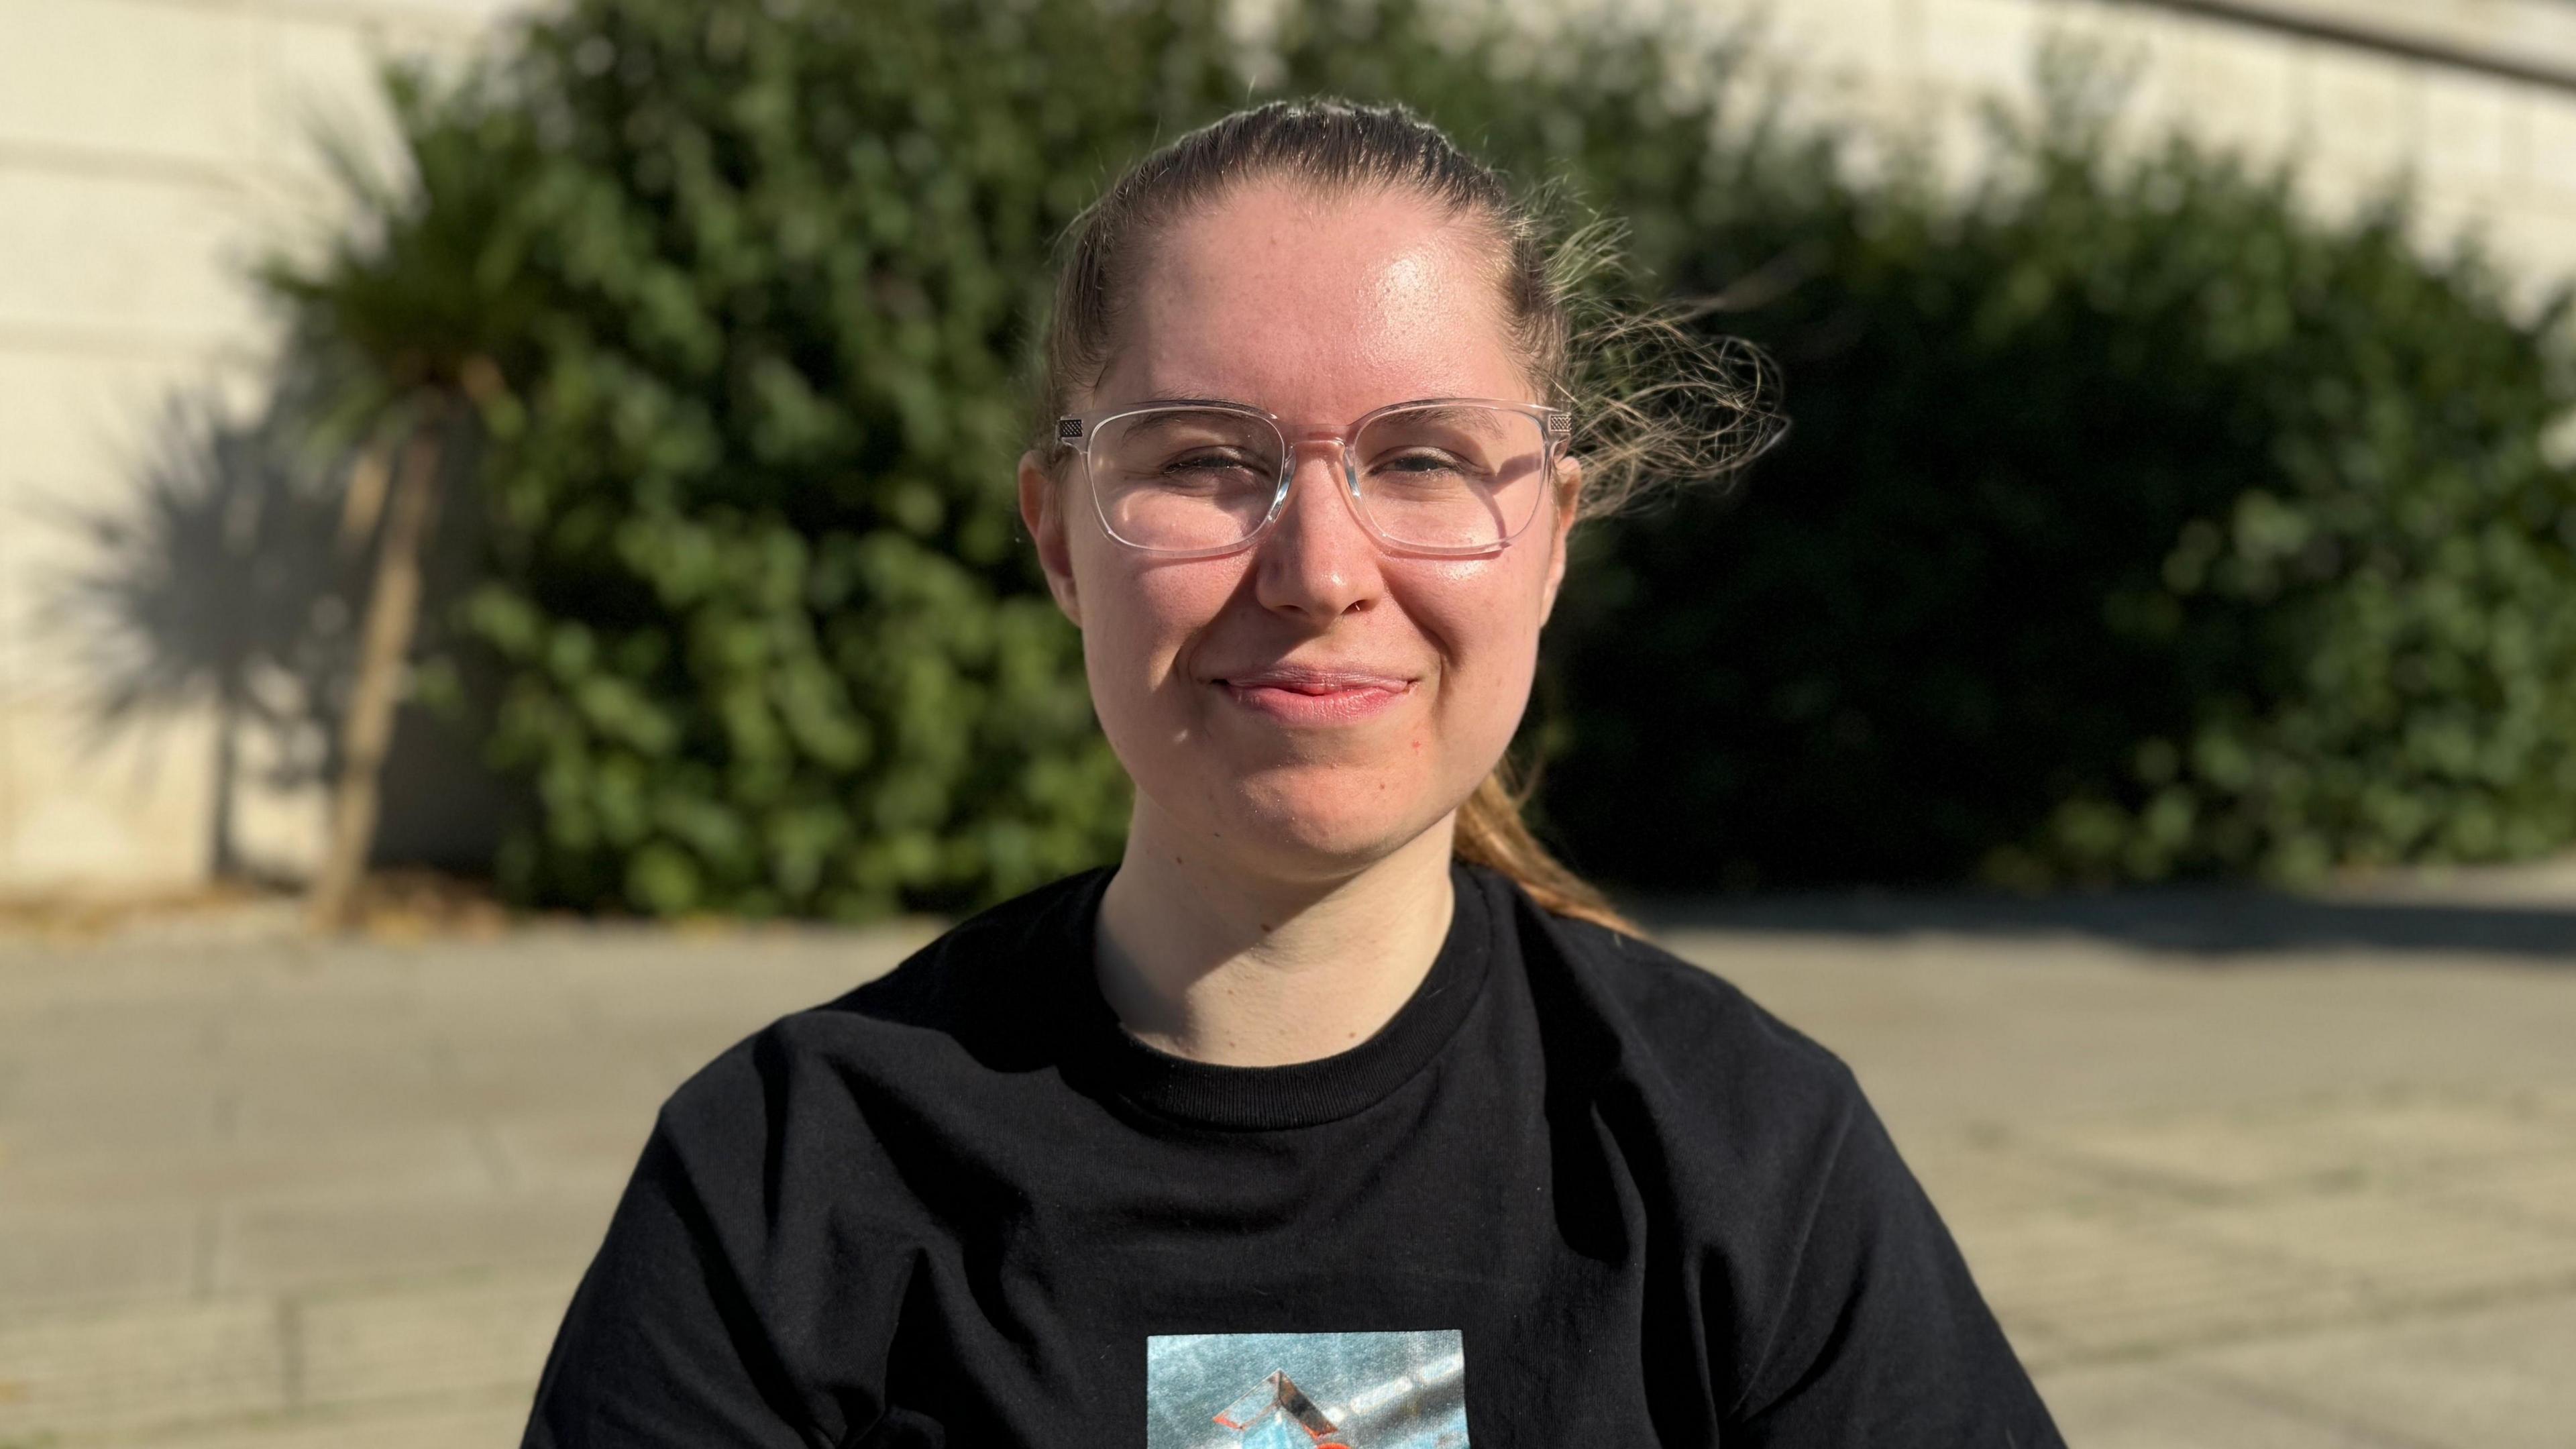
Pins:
x,y
1569,498
1042,509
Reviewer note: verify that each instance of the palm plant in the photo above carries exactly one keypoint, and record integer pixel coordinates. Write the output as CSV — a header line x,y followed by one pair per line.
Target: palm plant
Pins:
x,y
402,320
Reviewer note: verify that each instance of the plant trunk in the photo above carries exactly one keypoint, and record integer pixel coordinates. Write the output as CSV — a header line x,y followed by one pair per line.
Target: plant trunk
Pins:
x,y
384,646
224,857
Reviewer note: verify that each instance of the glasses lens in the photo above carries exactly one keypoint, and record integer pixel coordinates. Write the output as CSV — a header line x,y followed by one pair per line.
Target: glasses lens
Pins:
x,y
1449,475
1185,478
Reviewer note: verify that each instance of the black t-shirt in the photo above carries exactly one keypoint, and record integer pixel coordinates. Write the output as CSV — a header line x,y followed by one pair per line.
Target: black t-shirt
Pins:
x,y
1576,1192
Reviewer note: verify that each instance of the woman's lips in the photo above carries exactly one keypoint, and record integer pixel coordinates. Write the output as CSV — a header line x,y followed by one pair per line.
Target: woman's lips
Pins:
x,y
1315,701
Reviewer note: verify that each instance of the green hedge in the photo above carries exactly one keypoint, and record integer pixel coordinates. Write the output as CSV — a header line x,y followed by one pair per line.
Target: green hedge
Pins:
x,y
2131,524
2134,525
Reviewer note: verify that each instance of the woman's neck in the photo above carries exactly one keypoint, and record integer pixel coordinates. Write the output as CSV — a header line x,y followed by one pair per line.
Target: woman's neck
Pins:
x,y
1204,957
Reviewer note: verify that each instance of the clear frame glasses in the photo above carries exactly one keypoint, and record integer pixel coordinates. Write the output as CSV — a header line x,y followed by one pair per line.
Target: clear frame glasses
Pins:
x,y
1194,479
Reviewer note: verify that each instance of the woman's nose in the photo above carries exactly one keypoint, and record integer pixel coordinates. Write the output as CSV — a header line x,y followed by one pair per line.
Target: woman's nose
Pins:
x,y
1317,560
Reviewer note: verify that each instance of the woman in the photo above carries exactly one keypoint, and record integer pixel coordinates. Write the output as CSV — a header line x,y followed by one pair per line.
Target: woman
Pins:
x,y
1336,1113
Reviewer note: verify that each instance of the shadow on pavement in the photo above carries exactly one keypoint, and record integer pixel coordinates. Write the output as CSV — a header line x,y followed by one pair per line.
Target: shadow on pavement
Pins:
x,y
2183,921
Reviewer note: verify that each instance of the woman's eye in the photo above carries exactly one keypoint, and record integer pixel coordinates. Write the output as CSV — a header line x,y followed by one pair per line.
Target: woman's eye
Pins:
x,y
1203,462
1421,463
1209,470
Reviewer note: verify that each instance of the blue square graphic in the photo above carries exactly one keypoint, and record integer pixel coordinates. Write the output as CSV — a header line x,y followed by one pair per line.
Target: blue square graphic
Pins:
x,y
1306,1390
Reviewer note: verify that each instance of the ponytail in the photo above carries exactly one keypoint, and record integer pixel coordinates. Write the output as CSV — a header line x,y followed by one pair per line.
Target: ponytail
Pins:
x,y
1492,833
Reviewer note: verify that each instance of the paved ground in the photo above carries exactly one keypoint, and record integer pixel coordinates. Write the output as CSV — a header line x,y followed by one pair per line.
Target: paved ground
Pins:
x,y
2235,1172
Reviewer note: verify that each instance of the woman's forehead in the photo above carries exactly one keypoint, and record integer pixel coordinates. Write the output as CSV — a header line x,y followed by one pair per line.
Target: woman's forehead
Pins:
x,y
1303,304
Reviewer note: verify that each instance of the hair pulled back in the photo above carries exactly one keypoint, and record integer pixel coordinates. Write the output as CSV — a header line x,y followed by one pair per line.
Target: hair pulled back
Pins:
x,y
1654,404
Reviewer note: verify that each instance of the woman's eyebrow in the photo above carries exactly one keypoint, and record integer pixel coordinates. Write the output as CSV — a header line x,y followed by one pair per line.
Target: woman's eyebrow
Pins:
x,y
1485,419
1197,400
1157,423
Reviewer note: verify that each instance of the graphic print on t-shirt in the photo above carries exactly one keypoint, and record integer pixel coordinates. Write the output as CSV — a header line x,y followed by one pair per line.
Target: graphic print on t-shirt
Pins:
x,y
1306,1390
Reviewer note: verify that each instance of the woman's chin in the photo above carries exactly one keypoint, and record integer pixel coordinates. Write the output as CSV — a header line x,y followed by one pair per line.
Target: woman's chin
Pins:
x,y
1333,822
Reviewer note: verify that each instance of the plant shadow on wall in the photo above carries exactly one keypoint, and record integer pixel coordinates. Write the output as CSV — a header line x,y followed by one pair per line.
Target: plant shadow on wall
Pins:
x,y
228,584
217,587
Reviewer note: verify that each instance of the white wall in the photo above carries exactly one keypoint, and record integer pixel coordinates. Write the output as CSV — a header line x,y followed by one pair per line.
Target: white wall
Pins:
x,y
148,148
2485,149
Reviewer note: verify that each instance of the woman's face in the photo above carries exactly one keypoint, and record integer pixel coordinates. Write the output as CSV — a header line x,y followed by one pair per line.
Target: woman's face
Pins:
x,y
1319,309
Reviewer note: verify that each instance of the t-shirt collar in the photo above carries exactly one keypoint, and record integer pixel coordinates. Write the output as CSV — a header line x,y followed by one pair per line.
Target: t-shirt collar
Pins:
x,y
1301,1094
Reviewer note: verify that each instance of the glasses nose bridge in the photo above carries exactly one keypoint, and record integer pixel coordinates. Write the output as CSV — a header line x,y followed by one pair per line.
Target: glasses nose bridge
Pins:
x,y
1331,448
1310,442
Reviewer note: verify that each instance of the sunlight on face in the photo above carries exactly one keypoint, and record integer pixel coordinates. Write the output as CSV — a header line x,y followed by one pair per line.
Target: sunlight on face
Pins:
x,y
1319,309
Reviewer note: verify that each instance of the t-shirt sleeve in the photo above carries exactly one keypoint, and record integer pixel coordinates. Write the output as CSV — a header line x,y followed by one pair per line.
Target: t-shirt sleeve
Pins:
x,y
1884,1340
661,1346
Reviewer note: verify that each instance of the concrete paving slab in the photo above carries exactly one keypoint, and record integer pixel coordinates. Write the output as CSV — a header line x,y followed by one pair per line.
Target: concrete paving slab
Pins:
x,y
1950,1033
2104,1286
2496,1378
609,1076
80,1102
282,1107
491,1421
343,1166
1987,1178
303,1247
2423,1130
2158,1406
2310,1144
428,1342
593,1152
2538,1191
2393,1250
99,1252
122,1370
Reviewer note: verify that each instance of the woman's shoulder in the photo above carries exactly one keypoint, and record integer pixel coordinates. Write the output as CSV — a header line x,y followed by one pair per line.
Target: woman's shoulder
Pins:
x,y
1678,1023
971,999
1749,1120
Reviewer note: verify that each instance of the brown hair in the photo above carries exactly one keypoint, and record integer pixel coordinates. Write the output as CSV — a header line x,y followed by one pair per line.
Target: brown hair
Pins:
x,y
1653,403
